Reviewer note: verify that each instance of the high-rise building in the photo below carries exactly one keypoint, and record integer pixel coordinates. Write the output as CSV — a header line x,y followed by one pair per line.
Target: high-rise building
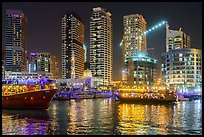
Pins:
x,y
54,67
141,69
16,31
72,46
134,41
32,64
101,45
176,39
181,65
43,62
182,68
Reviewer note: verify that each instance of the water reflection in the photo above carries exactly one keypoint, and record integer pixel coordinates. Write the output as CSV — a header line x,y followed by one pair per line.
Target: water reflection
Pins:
x,y
25,122
83,116
137,119
106,117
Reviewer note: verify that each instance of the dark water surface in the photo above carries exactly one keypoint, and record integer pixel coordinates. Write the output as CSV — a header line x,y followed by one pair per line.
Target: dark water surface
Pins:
x,y
106,117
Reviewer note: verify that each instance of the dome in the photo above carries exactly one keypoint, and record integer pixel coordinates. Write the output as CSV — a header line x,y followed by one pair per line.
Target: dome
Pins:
x,y
87,73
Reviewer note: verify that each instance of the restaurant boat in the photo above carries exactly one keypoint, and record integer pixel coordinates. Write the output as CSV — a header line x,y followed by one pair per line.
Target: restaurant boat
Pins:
x,y
142,95
27,95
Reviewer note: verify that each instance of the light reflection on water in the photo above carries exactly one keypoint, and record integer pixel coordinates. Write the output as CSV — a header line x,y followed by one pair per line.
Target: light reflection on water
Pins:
x,y
105,116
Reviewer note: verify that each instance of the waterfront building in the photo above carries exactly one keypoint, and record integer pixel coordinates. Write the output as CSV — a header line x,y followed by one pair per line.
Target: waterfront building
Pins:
x,y
16,37
43,62
176,39
26,75
181,65
101,58
72,46
86,80
133,40
39,62
32,64
134,25
141,69
54,65
182,68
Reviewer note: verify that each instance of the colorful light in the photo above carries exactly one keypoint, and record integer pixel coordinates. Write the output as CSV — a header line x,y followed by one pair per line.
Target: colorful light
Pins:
x,y
153,28
156,26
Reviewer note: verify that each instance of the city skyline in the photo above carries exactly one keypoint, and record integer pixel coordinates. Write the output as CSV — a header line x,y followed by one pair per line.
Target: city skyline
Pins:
x,y
44,29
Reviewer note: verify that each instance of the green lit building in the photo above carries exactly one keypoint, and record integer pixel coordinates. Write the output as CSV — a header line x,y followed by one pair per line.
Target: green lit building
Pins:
x,y
141,69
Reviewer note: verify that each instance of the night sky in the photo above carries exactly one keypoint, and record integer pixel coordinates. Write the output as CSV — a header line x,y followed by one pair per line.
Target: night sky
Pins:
x,y
44,24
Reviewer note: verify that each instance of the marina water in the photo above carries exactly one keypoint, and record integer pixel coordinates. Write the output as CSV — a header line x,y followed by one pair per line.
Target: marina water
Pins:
x,y
105,117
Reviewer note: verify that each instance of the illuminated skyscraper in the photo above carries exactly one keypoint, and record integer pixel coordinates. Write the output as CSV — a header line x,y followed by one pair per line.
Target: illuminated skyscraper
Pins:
x,y
182,68
16,29
101,44
133,41
32,63
72,45
141,69
54,65
181,64
176,39
43,62
134,26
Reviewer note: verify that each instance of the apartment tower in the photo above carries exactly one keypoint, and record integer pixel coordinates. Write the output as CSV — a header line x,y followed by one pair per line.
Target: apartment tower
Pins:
x,y
54,67
133,40
101,62
72,46
43,62
134,25
176,39
16,31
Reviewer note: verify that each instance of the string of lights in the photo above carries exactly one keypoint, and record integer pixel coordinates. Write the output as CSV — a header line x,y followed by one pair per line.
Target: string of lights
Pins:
x,y
149,30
